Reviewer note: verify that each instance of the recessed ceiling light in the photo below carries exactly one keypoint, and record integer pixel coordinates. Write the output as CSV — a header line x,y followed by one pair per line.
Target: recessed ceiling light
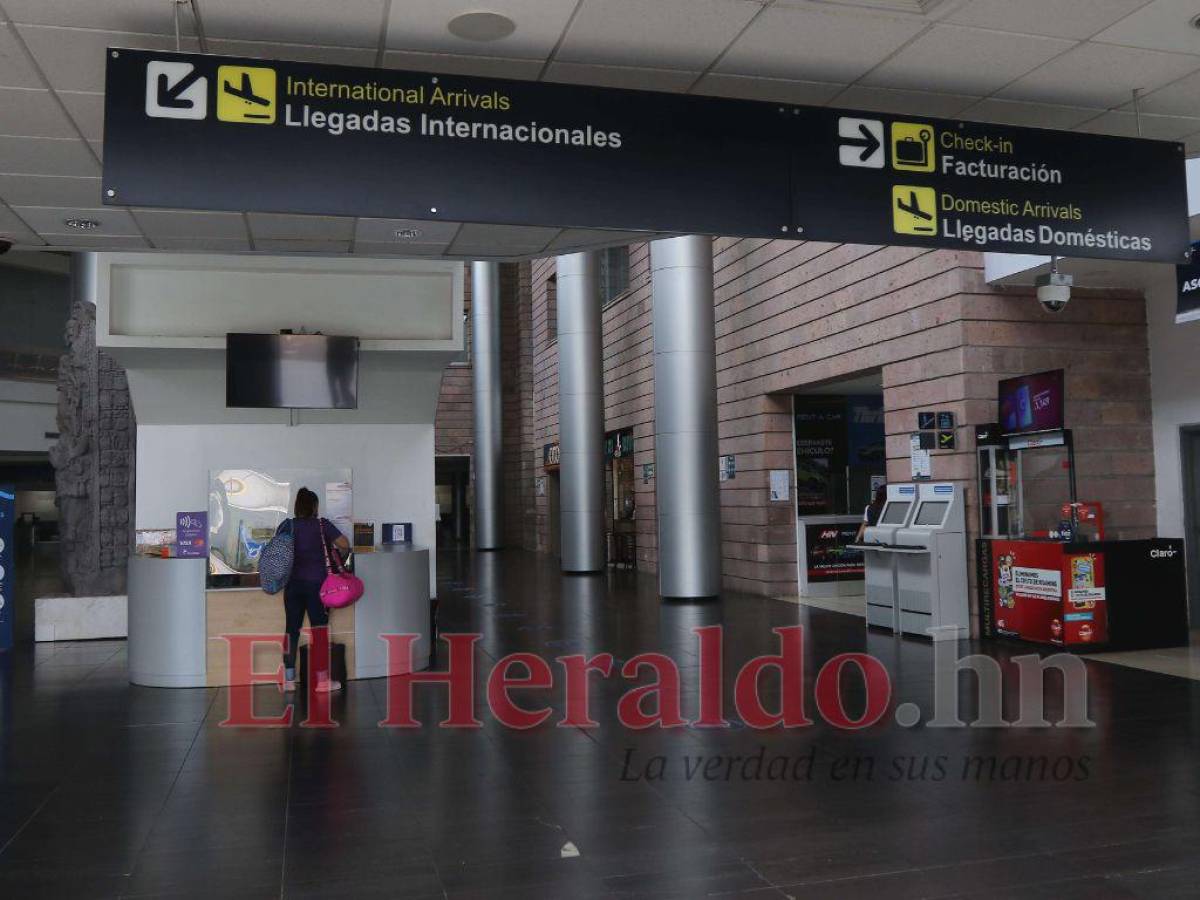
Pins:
x,y
82,224
481,26
407,234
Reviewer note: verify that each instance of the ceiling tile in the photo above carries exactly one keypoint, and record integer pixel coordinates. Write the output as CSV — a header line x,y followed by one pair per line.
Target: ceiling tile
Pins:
x,y
344,23
50,190
592,238
97,148
33,113
383,231
336,56
668,80
916,103
376,248
97,241
1162,128
500,240
1030,115
636,33
953,58
87,109
772,90
171,223
15,67
1160,25
14,228
302,246
817,44
1100,75
1077,19
73,58
110,15
52,220
46,156
1192,145
480,66
201,244
272,226
422,25
1180,98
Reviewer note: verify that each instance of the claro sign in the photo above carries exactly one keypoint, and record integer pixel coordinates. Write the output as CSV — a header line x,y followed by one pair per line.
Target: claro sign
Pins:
x,y
211,132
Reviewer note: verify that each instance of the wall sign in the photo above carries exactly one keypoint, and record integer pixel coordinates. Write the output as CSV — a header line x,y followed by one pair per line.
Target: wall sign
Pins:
x,y
727,468
8,514
551,457
647,472
1187,283
209,132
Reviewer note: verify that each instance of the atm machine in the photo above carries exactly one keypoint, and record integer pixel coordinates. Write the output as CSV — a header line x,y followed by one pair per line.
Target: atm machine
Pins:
x,y
878,547
931,564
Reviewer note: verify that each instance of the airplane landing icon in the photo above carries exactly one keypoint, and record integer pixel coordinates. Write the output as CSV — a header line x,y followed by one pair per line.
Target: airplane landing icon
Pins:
x,y
246,94
914,210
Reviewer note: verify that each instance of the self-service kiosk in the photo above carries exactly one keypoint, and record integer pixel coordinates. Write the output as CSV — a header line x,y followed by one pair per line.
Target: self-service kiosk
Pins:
x,y
879,557
931,584
916,561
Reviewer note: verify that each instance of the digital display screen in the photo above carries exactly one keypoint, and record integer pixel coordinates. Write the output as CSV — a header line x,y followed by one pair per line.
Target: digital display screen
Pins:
x,y
931,513
894,513
1032,403
291,371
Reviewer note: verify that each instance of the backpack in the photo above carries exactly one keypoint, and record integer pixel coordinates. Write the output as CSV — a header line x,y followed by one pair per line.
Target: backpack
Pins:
x,y
275,560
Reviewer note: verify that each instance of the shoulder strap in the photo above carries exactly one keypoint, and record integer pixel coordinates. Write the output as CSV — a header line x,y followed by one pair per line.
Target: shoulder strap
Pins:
x,y
330,567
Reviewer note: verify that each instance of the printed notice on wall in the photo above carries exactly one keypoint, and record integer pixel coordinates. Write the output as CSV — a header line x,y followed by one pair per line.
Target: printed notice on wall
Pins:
x,y
921,465
1043,583
780,486
339,505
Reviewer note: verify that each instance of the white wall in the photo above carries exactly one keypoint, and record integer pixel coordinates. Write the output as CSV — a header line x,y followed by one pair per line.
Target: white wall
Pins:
x,y
392,468
28,409
1175,392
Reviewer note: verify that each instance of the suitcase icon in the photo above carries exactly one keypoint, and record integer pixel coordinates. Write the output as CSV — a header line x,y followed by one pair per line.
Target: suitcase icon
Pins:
x,y
912,151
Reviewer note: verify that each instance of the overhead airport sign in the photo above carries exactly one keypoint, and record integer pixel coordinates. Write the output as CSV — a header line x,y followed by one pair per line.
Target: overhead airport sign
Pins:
x,y
209,132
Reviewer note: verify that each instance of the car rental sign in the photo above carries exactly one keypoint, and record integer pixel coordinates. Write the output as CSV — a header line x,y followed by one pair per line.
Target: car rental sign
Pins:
x,y
209,132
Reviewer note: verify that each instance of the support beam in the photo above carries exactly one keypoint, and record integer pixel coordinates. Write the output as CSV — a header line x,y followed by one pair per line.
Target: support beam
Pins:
x,y
685,430
581,413
485,361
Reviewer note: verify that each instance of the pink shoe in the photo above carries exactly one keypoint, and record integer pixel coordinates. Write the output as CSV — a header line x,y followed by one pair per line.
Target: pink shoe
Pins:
x,y
325,686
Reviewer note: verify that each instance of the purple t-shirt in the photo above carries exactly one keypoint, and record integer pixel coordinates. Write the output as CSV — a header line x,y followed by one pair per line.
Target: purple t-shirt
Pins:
x,y
308,563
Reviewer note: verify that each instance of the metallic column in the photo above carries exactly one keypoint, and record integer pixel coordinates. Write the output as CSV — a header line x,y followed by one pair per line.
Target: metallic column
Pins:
x,y
84,277
581,413
485,360
685,415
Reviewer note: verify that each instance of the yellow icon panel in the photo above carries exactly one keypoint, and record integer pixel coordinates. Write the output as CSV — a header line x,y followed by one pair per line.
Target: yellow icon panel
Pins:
x,y
914,210
912,147
246,94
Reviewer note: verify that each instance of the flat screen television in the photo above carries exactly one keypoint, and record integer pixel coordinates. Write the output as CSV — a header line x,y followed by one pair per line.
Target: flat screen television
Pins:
x,y
291,371
1032,403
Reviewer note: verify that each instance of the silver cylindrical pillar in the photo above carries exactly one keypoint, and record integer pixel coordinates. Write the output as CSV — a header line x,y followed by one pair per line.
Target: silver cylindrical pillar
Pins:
x,y
580,413
685,415
85,277
485,361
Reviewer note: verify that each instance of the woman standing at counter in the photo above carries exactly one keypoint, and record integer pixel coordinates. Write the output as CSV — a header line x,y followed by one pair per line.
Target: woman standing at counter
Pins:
x,y
303,592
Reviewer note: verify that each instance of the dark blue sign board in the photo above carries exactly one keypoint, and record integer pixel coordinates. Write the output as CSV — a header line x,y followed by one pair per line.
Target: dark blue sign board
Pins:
x,y
214,132
8,513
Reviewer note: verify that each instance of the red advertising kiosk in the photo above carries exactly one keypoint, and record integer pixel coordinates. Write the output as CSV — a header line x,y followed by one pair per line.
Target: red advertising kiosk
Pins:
x,y
1046,571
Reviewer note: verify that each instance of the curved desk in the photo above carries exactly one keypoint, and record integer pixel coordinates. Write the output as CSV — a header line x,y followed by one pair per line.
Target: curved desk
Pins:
x,y
176,625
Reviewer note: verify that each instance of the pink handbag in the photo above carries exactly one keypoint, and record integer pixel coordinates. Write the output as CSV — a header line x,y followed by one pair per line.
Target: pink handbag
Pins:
x,y
339,589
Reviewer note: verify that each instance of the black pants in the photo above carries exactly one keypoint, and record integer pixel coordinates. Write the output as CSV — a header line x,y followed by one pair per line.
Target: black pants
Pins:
x,y
300,597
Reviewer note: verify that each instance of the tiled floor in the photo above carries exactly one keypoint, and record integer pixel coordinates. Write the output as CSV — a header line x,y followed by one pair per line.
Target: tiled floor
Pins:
x,y
1181,661
107,790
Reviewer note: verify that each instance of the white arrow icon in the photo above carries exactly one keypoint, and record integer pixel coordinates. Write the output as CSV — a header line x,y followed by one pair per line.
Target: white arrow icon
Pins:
x,y
175,90
862,142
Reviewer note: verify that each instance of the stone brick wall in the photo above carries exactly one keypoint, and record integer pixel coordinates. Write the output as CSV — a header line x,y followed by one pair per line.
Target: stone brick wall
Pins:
x,y
795,314
94,462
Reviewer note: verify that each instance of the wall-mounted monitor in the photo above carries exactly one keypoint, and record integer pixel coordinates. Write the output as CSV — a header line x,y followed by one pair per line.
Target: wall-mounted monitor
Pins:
x,y
291,371
1032,403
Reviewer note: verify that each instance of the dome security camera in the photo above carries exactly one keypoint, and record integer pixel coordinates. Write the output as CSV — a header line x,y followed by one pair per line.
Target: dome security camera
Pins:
x,y
1054,291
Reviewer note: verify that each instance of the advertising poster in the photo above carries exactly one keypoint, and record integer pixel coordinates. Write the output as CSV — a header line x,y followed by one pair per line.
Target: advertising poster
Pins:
x,y
1032,402
8,513
191,535
1187,283
829,555
821,454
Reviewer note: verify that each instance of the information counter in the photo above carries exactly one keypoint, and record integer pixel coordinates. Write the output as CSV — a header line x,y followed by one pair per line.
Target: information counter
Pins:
x,y
1119,595
176,624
